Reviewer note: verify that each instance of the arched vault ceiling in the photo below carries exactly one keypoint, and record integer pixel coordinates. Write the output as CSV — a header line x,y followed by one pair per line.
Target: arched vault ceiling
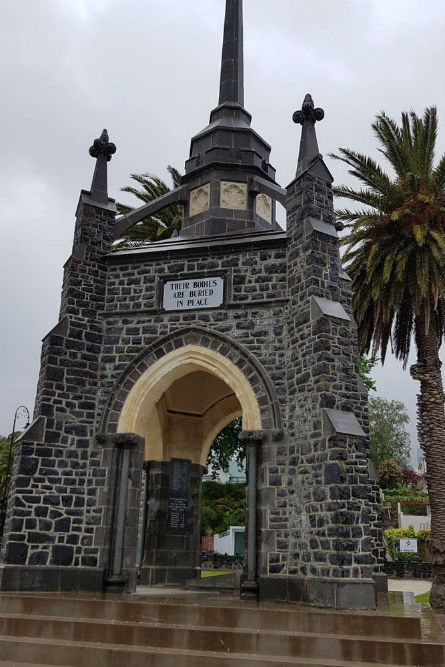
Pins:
x,y
196,393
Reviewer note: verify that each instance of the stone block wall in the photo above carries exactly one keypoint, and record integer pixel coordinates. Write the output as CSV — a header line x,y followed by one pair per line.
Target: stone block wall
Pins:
x,y
317,479
285,322
252,315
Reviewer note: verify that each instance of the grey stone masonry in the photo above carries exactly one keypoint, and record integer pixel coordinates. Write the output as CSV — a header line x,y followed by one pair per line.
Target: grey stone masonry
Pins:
x,y
323,505
47,520
115,514
171,556
275,338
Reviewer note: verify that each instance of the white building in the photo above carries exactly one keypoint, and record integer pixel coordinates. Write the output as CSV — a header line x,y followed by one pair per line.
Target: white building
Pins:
x,y
422,522
231,542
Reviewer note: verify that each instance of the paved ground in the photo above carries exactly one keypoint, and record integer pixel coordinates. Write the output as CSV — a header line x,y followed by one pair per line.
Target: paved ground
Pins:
x,y
416,586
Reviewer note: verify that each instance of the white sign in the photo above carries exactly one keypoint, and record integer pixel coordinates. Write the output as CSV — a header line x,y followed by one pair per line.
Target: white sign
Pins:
x,y
195,293
409,545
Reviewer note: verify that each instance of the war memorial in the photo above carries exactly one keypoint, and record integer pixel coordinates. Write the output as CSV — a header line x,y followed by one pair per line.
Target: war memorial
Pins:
x,y
157,348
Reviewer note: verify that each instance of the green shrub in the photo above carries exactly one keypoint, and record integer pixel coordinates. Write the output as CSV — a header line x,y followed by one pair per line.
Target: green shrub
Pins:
x,y
404,493
392,537
222,505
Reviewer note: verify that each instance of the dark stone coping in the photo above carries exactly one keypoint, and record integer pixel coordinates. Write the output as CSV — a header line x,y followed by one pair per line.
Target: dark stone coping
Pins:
x,y
50,578
222,581
172,247
85,198
321,592
381,582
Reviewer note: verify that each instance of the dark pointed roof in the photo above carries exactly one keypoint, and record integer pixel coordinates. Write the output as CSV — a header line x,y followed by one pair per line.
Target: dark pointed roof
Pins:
x,y
102,149
229,139
231,88
228,186
309,156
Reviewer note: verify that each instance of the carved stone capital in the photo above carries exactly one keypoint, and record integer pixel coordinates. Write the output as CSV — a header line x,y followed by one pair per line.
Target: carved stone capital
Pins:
x,y
307,112
102,146
252,437
126,439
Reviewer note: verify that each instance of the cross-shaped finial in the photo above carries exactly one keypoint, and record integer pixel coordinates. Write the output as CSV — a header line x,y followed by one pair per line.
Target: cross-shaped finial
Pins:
x,y
308,112
103,146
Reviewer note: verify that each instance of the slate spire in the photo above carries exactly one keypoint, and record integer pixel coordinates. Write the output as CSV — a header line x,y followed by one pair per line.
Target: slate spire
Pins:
x,y
102,149
231,88
307,116
227,154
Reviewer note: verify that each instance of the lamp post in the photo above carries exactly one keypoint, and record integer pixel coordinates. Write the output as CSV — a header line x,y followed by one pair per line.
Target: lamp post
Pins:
x,y
21,411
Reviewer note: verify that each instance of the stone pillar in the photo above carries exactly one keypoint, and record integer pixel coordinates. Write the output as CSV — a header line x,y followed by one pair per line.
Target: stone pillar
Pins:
x,y
172,542
253,439
142,522
124,495
322,551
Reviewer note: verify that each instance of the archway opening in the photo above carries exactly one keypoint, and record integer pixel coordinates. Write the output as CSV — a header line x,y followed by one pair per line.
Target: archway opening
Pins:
x,y
179,405
223,504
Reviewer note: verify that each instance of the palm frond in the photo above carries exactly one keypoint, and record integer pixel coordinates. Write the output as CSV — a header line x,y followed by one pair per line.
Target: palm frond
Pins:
x,y
156,227
395,237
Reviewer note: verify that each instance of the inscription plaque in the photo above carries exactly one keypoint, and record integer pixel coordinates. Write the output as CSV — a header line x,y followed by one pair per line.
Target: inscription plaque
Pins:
x,y
178,496
185,294
344,422
409,546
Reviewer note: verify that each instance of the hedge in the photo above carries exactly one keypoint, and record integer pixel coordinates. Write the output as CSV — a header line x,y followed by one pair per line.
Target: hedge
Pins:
x,y
392,537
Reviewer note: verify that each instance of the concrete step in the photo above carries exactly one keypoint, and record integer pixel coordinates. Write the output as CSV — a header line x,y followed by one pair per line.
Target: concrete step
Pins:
x,y
64,653
162,630
223,613
244,641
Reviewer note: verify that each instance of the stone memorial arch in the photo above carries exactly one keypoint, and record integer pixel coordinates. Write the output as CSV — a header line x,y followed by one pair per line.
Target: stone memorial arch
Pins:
x,y
177,397
158,347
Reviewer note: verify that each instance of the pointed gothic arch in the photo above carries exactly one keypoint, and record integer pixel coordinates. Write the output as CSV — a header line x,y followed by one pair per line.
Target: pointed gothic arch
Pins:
x,y
193,348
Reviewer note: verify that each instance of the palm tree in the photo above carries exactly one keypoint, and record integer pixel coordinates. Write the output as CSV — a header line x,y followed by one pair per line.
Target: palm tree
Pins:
x,y
155,227
395,255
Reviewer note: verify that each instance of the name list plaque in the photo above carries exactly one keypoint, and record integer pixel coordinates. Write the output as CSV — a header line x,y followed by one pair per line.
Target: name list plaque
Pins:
x,y
178,497
187,294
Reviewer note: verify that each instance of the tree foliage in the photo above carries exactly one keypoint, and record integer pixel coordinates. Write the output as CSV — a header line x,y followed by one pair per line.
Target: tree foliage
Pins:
x,y
389,439
222,506
395,255
155,227
365,366
396,243
5,444
389,474
226,447
410,477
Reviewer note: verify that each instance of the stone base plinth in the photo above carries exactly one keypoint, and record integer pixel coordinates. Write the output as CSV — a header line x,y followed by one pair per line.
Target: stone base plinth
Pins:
x,y
50,578
381,582
321,592
249,590
168,574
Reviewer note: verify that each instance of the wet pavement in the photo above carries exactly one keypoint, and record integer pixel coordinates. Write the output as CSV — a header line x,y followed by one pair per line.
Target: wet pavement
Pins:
x,y
416,586
160,626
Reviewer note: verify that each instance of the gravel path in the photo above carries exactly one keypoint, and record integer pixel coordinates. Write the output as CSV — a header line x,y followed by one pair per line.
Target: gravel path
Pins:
x,y
416,586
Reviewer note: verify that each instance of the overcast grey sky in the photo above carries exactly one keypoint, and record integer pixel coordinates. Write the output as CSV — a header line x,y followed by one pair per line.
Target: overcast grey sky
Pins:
x,y
148,71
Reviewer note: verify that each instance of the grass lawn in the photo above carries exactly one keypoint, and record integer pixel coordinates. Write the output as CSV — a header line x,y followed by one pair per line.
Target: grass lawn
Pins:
x,y
213,573
424,598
